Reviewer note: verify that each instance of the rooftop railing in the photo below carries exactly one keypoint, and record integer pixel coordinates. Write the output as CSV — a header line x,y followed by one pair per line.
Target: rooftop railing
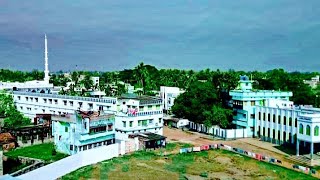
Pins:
x,y
102,100
145,102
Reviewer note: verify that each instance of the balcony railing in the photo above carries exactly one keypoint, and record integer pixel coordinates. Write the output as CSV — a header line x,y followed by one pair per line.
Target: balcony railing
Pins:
x,y
144,102
147,113
101,100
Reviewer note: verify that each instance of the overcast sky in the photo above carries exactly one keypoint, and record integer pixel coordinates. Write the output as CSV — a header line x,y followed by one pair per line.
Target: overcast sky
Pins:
x,y
188,34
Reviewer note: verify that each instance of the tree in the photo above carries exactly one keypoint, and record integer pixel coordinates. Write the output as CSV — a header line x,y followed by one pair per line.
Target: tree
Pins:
x,y
217,116
12,117
199,97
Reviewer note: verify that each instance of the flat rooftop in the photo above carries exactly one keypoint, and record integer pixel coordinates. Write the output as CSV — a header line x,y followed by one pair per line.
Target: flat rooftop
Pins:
x,y
92,115
134,96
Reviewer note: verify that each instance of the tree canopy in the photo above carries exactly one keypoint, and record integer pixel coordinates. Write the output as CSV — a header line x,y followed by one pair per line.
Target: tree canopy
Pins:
x,y
12,117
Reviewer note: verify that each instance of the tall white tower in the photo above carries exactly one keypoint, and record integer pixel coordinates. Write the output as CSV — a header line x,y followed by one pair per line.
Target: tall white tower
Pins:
x,y
46,69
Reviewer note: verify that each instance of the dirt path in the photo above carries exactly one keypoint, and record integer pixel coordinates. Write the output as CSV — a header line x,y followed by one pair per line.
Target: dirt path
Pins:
x,y
249,144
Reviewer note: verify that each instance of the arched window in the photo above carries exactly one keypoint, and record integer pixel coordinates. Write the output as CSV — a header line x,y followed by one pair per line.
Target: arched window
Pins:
x,y
290,121
308,130
259,115
301,129
285,120
316,131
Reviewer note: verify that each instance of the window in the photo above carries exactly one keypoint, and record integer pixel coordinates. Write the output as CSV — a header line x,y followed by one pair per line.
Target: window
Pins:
x,y
274,118
296,122
21,107
71,147
308,130
31,99
71,103
316,131
19,97
45,100
130,123
252,116
264,116
290,121
301,129
98,129
90,105
160,120
244,115
56,101
252,103
149,107
158,107
259,115
124,123
65,103
36,99
27,98
110,127
50,101
65,129
141,108
285,120
150,121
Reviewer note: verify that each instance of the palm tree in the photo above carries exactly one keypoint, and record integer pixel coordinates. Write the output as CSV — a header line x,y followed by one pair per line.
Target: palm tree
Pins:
x,y
142,74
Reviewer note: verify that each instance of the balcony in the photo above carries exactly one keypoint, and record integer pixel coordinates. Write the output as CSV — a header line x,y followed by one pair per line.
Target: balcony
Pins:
x,y
88,136
146,102
144,113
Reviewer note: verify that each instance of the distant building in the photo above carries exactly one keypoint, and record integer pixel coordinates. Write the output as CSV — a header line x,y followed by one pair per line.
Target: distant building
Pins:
x,y
96,81
314,82
82,131
245,99
168,95
31,85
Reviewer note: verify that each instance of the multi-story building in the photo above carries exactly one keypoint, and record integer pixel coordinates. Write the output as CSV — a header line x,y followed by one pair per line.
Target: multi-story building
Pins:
x,y
30,103
245,99
82,131
133,113
138,114
168,95
278,120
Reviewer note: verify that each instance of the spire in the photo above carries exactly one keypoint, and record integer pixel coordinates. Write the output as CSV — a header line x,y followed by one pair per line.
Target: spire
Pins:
x,y
46,69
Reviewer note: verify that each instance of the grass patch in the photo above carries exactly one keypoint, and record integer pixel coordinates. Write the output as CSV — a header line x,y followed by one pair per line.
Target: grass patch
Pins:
x,y
213,164
39,151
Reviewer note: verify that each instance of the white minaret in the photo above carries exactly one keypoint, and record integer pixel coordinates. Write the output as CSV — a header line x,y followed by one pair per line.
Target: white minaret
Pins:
x,y
46,69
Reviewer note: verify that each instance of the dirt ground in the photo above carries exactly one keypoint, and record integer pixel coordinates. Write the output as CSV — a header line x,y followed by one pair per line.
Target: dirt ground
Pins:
x,y
249,144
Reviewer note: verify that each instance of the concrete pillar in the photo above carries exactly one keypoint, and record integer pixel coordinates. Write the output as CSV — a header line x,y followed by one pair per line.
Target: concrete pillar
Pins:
x,y
276,125
311,150
281,126
271,125
297,147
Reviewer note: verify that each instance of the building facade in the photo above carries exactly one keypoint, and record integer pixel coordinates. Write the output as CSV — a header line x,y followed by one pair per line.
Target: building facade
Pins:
x,y
133,114
82,131
138,114
245,99
278,120
168,95
30,103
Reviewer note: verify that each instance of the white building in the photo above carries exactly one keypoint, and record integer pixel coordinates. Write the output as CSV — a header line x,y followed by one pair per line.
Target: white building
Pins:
x,y
31,104
31,84
277,121
168,95
138,114
308,131
134,114
314,82
96,81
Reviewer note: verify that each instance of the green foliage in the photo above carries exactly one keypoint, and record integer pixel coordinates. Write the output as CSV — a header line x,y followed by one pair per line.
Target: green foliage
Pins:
x,y
217,116
125,168
201,104
12,117
40,151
